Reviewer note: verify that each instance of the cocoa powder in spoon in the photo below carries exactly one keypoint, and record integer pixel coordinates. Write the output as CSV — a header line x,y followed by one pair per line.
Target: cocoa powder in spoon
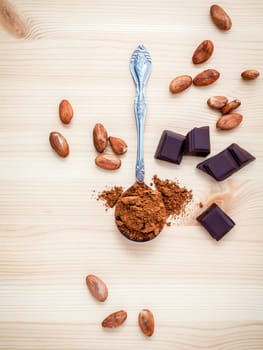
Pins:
x,y
140,214
143,209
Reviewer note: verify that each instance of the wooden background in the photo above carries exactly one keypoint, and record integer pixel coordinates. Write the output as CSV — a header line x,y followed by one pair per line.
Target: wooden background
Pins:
x,y
204,294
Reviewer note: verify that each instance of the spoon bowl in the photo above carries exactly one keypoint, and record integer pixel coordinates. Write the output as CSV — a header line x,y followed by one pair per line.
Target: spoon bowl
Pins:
x,y
140,213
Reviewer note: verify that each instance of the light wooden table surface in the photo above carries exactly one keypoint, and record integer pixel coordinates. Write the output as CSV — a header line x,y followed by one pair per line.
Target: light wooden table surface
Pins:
x,y
204,294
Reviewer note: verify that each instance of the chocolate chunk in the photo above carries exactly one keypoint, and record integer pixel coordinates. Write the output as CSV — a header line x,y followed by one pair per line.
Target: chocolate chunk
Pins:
x,y
216,221
220,166
197,142
226,163
170,147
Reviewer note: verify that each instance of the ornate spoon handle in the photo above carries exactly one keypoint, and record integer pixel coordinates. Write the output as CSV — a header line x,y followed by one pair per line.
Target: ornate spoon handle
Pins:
x,y
140,66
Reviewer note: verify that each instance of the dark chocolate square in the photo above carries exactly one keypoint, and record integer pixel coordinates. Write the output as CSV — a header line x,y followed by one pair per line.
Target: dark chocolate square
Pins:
x,y
170,147
216,221
197,142
227,162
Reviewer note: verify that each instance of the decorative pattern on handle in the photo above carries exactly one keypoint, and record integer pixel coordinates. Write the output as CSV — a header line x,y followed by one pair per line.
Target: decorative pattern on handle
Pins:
x,y
140,66
139,171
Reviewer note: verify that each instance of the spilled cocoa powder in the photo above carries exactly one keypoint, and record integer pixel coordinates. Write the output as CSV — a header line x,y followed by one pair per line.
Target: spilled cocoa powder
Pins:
x,y
175,198
111,196
141,212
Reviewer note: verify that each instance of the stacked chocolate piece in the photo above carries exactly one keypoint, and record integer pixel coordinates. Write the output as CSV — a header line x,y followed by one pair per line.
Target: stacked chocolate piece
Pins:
x,y
172,146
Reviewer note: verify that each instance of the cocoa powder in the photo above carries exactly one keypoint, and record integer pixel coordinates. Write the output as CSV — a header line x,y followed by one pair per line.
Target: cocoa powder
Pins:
x,y
141,212
175,198
111,196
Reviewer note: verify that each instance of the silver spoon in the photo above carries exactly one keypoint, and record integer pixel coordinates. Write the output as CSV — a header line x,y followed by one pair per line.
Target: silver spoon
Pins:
x,y
140,67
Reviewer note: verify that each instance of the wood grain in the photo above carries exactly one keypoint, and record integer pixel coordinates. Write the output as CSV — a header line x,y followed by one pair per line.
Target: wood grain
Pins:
x,y
53,232
12,20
